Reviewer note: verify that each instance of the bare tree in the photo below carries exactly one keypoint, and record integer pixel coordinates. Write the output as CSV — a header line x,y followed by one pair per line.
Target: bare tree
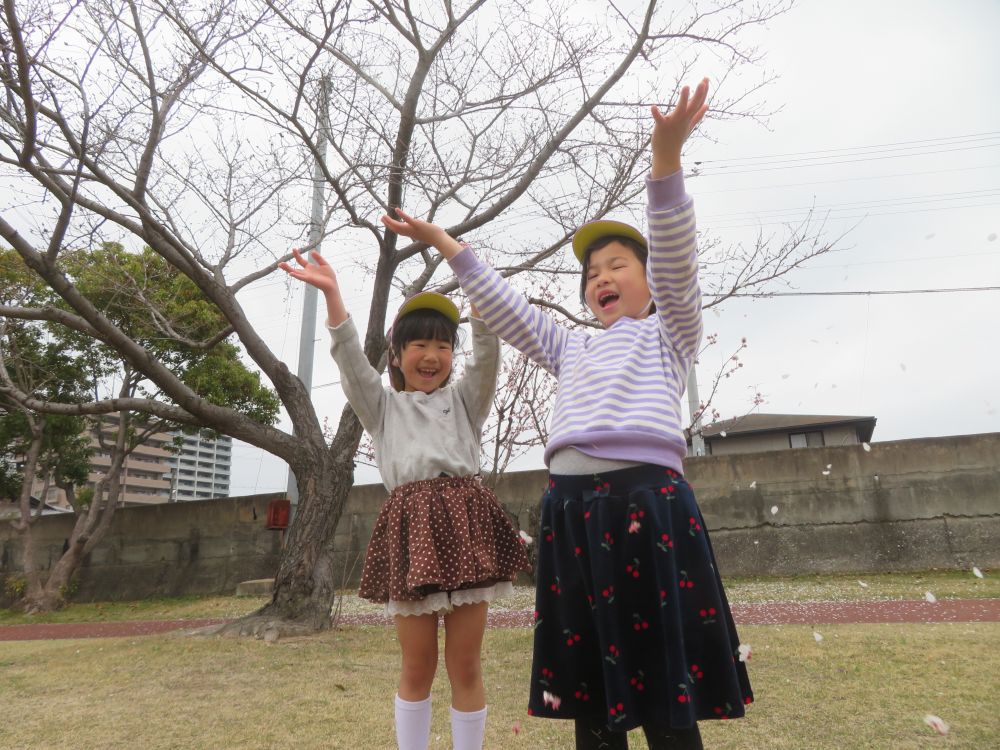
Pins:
x,y
191,128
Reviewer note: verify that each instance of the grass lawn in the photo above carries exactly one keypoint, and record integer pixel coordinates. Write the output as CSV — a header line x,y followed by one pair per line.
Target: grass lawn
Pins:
x,y
944,585
860,687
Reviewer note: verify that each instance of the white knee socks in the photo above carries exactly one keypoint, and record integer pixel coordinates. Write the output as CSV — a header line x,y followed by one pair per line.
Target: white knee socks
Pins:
x,y
467,729
413,723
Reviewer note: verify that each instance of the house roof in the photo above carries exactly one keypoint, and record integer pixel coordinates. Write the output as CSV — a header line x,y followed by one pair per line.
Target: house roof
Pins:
x,y
757,423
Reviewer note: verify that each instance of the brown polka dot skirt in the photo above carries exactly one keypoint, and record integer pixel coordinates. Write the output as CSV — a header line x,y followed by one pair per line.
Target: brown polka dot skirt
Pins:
x,y
436,535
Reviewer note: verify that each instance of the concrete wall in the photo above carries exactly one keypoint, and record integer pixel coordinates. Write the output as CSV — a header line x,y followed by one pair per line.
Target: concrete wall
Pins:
x,y
201,547
905,505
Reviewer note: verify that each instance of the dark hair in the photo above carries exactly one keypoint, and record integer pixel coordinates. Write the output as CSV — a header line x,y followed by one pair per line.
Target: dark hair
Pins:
x,y
637,248
419,324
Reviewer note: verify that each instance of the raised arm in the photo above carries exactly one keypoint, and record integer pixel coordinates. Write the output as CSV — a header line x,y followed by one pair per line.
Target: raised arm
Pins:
x,y
672,268
505,310
479,381
361,382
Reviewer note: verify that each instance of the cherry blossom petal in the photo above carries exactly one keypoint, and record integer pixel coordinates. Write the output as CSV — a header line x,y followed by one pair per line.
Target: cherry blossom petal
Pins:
x,y
745,652
817,636
516,728
722,434
936,723
774,510
525,538
862,584
867,447
753,484
930,597
977,572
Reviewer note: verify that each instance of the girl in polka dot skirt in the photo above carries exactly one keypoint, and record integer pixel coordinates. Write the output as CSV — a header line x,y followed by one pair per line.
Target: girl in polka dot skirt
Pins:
x,y
442,545
632,626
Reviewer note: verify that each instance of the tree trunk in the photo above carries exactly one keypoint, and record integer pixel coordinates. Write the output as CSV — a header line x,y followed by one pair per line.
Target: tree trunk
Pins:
x,y
305,587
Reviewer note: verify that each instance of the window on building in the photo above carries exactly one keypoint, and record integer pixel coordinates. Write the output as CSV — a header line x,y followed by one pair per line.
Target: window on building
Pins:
x,y
806,439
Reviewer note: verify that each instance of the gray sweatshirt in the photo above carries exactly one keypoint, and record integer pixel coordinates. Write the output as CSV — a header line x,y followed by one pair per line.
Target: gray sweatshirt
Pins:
x,y
420,435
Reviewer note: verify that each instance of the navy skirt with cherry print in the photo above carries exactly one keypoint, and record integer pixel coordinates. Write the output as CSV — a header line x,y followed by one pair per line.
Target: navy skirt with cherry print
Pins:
x,y
632,625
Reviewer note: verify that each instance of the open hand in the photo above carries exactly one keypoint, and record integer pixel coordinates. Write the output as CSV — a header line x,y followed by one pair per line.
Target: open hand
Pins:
x,y
672,129
416,229
318,273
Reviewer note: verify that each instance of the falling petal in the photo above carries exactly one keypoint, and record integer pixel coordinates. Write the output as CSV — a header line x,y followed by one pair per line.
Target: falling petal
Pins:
x,y
902,367
722,434
753,484
929,236
930,597
991,237
817,636
774,510
829,466
826,472
756,541
785,376
867,447
862,584
517,728
936,723
525,538
745,652
977,572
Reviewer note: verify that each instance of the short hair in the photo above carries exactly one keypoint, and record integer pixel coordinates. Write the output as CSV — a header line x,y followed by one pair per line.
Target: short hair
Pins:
x,y
637,248
422,323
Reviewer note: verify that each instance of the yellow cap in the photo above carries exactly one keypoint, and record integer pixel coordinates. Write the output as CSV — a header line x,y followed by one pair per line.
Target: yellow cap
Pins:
x,y
595,230
430,301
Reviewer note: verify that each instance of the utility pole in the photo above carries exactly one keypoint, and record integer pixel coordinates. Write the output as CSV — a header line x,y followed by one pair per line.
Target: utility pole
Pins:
x,y
307,334
694,404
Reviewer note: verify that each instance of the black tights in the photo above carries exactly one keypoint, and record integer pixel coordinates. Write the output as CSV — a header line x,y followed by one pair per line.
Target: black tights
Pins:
x,y
593,734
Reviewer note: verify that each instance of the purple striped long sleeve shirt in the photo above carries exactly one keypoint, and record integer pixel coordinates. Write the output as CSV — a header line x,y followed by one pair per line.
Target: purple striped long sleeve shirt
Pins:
x,y
619,394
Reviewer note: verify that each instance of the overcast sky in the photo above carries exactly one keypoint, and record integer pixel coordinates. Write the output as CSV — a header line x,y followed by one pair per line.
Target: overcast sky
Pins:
x,y
890,127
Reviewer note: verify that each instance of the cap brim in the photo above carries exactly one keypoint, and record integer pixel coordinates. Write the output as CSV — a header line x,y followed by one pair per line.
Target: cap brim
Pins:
x,y
595,230
430,301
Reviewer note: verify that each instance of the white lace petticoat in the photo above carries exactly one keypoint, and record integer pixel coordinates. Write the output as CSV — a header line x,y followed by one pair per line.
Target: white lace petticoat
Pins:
x,y
444,602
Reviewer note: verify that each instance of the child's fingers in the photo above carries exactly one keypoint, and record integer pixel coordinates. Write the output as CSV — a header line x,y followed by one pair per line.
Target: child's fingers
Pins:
x,y
318,259
683,101
658,115
700,95
405,216
298,257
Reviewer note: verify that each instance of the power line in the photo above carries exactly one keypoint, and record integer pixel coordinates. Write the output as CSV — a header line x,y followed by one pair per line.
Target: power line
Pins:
x,y
914,259
875,203
898,145
859,216
870,292
845,179
723,172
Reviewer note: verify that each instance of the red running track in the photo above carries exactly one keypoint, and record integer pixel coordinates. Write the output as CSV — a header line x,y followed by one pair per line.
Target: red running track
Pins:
x,y
774,613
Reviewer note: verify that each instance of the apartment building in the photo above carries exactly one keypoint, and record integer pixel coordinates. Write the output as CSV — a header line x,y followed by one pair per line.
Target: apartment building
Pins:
x,y
200,470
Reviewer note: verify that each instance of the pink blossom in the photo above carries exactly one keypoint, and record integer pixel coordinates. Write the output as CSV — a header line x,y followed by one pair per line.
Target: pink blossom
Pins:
x,y
936,723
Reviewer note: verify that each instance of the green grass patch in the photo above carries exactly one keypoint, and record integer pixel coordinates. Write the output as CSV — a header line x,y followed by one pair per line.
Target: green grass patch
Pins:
x,y
860,687
179,608
944,584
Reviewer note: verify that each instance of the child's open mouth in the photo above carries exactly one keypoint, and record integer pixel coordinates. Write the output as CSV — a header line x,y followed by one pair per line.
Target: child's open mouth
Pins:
x,y
427,373
606,299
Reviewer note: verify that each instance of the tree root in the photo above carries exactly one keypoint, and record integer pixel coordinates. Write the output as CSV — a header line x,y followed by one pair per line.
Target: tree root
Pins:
x,y
262,627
